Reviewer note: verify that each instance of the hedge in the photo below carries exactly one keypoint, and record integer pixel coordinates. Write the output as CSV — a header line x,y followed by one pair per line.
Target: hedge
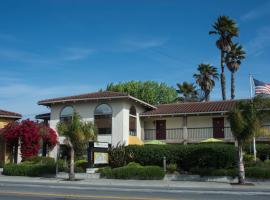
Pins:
x,y
35,166
133,171
263,151
185,156
251,172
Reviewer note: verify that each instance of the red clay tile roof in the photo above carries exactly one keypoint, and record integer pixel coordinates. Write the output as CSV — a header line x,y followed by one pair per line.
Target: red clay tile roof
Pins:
x,y
93,96
190,108
8,114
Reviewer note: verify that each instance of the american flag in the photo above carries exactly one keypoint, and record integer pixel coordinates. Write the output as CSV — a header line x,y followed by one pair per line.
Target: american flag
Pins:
x,y
261,87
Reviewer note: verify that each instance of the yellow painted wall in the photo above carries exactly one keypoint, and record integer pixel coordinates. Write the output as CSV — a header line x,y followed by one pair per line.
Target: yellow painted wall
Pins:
x,y
4,121
134,140
5,153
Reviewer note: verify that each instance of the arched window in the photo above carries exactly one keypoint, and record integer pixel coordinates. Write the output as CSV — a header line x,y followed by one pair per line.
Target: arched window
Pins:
x,y
66,114
103,119
132,121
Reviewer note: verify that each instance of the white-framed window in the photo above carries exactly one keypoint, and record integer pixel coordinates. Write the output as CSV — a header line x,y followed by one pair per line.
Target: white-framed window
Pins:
x,y
132,121
66,114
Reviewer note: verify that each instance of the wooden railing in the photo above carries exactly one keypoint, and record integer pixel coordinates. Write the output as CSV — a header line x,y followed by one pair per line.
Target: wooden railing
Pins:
x,y
198,134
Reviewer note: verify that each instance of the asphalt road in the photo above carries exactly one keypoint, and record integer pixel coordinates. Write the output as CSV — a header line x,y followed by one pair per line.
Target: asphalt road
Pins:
x,y
45,191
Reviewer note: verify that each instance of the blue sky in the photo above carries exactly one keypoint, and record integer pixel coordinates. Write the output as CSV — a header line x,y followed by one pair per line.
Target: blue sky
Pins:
x,y
55,48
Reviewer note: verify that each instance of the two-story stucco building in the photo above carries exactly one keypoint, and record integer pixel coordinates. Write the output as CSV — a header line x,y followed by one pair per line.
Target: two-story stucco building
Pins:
x,y
121,118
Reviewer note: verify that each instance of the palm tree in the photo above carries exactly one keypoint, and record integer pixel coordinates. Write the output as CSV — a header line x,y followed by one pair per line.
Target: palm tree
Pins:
x,y
206,79
188,91
246,121
226,29
233,61
78,134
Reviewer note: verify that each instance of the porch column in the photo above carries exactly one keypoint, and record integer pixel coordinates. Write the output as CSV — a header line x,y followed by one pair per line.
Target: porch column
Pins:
x,y
185,131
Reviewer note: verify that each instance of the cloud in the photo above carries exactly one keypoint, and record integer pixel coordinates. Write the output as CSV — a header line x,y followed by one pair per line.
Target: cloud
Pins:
x,y
75,53
260,42
9,38
257,12
140,44
62,55
23,98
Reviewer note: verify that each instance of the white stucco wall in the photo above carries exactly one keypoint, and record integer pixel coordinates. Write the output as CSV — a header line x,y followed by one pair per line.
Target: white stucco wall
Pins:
x,y
120,117
178,122
171,122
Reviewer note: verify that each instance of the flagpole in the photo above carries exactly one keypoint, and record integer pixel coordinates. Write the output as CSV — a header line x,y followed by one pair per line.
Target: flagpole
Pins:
x,y
254,139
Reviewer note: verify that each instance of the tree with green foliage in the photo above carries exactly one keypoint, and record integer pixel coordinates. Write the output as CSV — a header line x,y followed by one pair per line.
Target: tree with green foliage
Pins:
x,y
187,92
78,133
233,61
246,120
149,91
206,79
226,28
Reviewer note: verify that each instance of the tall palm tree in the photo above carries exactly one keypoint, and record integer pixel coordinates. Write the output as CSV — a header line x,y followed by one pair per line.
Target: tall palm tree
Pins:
x,y
188,91
206,79
246,120
233,61
226,29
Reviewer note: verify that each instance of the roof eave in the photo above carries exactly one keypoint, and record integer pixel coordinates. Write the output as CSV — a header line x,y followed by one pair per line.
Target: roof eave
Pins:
x,y
48,103
11,116
183,114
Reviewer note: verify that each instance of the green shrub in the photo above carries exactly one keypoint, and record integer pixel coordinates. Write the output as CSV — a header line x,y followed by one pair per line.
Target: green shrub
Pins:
x,y
1,164
258,172
81,165
117,155
233,172
105,172
133,172
41,160
134,164
248,158
171,168
263,151
186,156
62,165
26,169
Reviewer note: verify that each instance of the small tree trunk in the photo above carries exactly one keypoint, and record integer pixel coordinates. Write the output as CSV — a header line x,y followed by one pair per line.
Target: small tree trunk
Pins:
x,y
232,86
71,168
241,175
222,76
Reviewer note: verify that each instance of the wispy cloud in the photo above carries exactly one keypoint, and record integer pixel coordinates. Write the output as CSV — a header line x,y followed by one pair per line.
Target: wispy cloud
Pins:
x,y
135,44
62,55
75,53
23,98
9,38
260,42
257,12
145,44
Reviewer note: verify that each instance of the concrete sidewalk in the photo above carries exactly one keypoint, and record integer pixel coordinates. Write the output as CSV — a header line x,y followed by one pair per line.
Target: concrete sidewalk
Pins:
x,y
162,184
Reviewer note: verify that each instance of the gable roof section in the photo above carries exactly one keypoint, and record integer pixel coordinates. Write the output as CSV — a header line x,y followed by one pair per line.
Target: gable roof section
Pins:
x,y
94,96
191,108
8,114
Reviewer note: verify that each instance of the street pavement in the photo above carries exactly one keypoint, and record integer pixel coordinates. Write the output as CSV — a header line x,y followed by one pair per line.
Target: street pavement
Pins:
x,y
24,188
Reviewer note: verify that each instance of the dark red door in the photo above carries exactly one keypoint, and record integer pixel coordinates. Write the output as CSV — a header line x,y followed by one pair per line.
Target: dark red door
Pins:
x,y
161,129
218,127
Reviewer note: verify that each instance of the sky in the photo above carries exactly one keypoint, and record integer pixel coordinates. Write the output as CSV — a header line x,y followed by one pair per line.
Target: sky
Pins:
x,y
56,48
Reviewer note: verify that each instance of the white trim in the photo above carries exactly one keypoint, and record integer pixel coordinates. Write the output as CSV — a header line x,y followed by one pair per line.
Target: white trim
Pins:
x,y
48,102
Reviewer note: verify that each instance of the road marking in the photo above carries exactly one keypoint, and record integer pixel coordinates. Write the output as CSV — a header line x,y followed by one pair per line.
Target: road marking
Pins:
x,y
77,196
